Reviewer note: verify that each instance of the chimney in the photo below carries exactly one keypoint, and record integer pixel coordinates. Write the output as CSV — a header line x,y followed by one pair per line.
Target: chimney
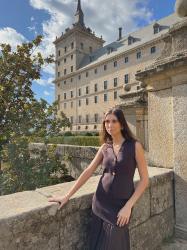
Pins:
x,y
120,33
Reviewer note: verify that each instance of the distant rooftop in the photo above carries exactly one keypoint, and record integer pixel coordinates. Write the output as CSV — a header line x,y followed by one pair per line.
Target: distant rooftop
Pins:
x,y
131,40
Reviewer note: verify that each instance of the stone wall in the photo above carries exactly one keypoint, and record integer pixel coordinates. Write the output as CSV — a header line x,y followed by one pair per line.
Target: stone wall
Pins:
x,y
29,221
81,156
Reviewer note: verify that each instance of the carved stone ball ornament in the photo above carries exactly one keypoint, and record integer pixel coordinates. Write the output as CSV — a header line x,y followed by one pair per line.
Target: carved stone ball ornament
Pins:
x,y
181,8
127,87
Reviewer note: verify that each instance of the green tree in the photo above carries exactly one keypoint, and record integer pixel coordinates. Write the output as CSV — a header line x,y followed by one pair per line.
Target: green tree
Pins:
x,y
22,116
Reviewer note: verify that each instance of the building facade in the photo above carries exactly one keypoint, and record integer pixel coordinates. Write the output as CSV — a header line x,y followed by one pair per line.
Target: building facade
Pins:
x,y
90,77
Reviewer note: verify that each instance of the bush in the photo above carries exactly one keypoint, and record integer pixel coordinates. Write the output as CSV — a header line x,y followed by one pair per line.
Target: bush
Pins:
x,y
26,170
72,140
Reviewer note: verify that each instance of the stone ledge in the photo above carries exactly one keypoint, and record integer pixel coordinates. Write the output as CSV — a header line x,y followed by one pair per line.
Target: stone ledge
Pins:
x,y
29,221
27,201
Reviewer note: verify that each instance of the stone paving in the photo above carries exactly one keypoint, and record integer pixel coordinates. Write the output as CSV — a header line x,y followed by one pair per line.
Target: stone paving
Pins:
x,y
173,244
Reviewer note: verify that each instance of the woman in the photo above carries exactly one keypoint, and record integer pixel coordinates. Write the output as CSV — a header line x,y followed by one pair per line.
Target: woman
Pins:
x,y
115,195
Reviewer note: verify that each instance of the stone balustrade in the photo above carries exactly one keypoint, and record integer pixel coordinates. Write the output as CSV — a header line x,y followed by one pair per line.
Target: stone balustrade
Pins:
x,y
29,221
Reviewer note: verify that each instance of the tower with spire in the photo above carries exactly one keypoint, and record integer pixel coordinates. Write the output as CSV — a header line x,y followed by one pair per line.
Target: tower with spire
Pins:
x,y
73,45
79,15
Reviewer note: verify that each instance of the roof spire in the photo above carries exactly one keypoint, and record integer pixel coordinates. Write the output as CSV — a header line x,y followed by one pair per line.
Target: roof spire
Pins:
x,y
79,16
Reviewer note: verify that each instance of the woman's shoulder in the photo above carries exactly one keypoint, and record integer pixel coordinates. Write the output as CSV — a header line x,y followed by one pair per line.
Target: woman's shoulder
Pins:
x,y
105,146
138,143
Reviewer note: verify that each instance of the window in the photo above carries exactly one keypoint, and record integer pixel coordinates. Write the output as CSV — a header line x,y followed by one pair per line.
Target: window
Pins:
x,y
59,52
79,117
138,55
65,82
64,96
71,57
65,49
96,117
87,74
71,93
115,94
71,79
79,103
79,77
105,84
126,59
71,104
115,64
58,63
156,28
87,101
153,49
115,81
95,87
58,101
105,97
82,46
126,78
79,92
71,68
90,48
131,40
64,60
65,71
109,49
87,90
105,67
72,45
87,118
95,71
58,74
95,99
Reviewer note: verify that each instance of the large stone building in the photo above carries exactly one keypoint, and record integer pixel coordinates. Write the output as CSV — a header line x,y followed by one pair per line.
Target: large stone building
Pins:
x,y
91,77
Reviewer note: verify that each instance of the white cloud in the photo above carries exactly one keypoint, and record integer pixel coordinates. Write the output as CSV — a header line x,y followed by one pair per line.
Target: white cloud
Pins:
x,y
101,17
33,29
33,26
45,82
11,36
46,93
32,19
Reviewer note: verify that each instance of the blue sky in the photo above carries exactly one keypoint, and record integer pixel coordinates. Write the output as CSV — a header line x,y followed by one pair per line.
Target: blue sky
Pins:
x,y
22,20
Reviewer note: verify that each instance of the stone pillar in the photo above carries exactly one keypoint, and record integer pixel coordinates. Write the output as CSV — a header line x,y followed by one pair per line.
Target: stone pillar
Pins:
x,y
181,8
134,106
142,126
166,83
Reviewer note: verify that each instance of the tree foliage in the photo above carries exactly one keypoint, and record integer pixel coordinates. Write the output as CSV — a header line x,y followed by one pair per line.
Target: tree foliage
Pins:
x,y
22,116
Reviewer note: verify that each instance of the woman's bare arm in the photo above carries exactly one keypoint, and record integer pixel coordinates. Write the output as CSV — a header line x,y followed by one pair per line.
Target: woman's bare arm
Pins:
x,y
87,173
143,172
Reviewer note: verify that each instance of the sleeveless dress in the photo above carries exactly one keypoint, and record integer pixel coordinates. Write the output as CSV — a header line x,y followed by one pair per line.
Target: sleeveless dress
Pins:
x,y
114,189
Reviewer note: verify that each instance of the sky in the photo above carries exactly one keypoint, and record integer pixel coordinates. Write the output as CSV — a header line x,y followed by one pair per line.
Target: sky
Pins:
x,y
22,20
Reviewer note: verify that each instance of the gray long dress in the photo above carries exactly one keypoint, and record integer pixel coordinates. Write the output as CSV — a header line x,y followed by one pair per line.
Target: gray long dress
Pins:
x,y
114,189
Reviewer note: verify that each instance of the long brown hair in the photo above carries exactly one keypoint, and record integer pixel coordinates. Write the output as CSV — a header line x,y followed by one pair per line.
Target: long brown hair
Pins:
x,y
105,137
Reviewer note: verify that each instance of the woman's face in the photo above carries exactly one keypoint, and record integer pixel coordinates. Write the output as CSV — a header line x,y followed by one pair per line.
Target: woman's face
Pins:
x,y
112,124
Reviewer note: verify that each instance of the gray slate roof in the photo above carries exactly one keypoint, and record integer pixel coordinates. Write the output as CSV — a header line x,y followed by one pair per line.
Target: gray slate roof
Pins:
x,y
141,36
